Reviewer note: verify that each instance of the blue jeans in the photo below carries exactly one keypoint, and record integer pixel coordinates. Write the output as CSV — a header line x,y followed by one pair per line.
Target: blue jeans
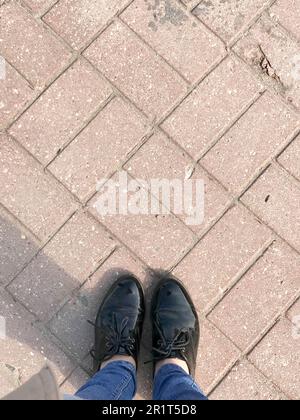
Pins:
x,y
118,381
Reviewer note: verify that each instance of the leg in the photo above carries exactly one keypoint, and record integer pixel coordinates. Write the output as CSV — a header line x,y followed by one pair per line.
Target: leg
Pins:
x,y
116,381
118,330
176,334
172,383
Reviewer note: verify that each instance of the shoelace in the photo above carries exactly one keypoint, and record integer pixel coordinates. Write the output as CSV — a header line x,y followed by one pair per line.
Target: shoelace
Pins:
x,y
115,339
166,348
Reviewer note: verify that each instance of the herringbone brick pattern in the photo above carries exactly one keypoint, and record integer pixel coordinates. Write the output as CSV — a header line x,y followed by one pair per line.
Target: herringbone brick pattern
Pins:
x,y
153,87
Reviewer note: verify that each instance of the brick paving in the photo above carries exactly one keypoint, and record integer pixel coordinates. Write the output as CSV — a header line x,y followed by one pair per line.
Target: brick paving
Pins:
x,y
155,87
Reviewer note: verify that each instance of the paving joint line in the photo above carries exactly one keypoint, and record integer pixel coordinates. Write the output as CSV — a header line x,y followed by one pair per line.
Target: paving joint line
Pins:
x,y
239,276
19,72
159,200
153,50
268,226
238,36
270,381
109,176
261,170
74,293
38,15
195,162
245,353
46,172
242,360
103,28
117,91
39,93
121,94
286,173
236,200
44,244
289,144
58,343
121,242
283,168
222,58
86,123
26,229
231,125
69,376
27,152
203,234
190,9
40,22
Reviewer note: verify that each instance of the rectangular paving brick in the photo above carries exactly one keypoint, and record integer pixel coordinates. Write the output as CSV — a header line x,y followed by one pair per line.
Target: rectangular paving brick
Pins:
x,y
246,383
274,55
160,159
138,72
248,309
70,324
277,356
15,92
242,152
80,246
17,247
227,18
33,50
291,157
43,286
26,348
216,354
80,20
158,239
275,199
186,45
100,148
53,120
211,266
213,106
287,13
31,195
66,262
39,6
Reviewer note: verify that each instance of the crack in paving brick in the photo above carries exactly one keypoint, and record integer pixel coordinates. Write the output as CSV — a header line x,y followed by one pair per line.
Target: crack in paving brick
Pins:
x,y
267,67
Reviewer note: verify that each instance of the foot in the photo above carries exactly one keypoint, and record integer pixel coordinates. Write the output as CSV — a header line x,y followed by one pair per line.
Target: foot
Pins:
x,y
175,324
119,322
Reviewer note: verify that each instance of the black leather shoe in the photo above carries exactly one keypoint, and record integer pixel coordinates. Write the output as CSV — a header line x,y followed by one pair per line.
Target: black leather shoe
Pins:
x,y
119,322
175,324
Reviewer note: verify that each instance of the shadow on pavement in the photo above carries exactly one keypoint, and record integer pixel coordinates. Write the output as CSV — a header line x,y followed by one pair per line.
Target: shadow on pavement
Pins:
x,y
44,324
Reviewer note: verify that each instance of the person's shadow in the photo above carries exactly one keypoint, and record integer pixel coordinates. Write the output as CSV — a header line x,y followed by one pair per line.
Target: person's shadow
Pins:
x,y
63,338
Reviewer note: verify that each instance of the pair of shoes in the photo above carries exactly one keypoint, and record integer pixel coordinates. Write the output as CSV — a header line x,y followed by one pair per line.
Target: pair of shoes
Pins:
x,y
119,323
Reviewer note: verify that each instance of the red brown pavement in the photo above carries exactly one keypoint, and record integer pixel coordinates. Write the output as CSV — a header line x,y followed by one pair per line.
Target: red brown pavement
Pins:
x,y
160,89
